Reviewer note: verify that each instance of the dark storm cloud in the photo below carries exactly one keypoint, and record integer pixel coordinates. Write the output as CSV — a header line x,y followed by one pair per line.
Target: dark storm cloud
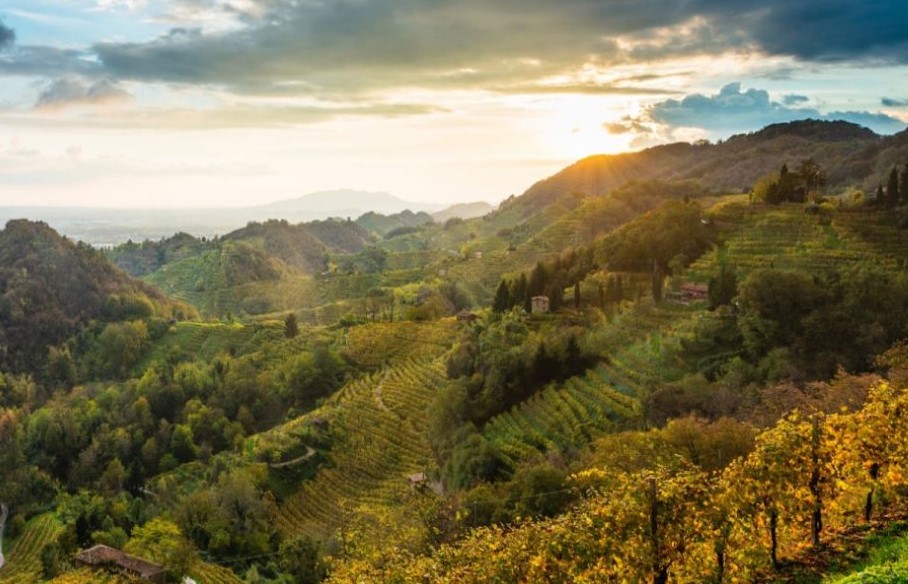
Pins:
x,y
889,102
733,110
349,44
68,91
7,36
834,30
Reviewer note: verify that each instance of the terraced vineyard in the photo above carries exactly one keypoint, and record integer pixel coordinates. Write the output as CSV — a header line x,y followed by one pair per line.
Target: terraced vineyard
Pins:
x,y
875,231
204,573
786,237
23,563
569,416
207,340
381,428
86,576
562,418
373,345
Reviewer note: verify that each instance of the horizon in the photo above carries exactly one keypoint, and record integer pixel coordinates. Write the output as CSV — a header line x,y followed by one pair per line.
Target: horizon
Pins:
x,y
212,104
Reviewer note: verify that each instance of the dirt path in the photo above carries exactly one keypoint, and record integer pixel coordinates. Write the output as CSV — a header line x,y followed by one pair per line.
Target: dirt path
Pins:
x,y
310,452
378,393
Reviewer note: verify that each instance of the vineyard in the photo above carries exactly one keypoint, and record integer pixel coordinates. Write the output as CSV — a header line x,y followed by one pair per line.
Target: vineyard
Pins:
x,y
785,237
208,340
87,576
205,573
380,425
685,525
642,341
373,345
23,563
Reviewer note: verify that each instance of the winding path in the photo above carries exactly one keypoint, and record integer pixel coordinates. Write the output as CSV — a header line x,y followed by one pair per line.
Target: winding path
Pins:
x,y
310,452
4,511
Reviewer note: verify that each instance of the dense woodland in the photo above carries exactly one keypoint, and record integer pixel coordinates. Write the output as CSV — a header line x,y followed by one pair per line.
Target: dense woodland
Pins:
x,y
714,394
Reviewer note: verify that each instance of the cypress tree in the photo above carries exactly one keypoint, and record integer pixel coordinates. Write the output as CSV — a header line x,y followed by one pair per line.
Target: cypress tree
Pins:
x,y
892,188
519,291
903,188
291,327
502,298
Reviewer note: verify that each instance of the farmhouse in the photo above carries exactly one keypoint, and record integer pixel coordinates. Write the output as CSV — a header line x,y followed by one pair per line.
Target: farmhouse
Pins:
x,y
688,293
111,559
466,316
539,304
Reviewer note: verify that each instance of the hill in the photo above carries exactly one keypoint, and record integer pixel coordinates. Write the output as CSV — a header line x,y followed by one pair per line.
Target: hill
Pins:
x,y
384,224
463,211
714,392
108,227
338,203
50,287
851,155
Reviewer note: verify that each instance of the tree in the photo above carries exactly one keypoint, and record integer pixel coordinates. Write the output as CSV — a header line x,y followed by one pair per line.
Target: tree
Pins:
x,y
723,287
291,327
903,188
892,188
301,558
811,176
502,298
160,541
577,295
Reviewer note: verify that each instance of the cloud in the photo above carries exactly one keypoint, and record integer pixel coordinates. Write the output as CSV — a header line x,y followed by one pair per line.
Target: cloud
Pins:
x,y
70,91
889,102
358,44
733,110
128,5
794,99
7,36
48,62
626,126
829,30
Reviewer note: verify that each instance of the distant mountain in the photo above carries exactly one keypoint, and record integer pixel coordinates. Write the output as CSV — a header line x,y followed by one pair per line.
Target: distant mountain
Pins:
x,y
338,203
50,286
110,227
463,211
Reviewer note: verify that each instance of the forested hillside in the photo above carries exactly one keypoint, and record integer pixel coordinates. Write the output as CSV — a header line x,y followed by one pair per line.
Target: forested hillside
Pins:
x,y
683,365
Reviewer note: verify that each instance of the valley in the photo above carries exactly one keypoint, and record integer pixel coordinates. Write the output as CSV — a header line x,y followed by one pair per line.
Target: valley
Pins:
x,y
647,367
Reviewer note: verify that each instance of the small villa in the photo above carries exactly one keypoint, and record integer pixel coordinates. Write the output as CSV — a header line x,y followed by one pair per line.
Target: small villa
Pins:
x,y
113,560
539,304
688,293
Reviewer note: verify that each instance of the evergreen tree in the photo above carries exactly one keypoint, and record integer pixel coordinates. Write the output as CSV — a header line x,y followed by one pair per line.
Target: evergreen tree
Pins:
x,y
722,288
556,296
539,280
519,291
502,298
291,327
577,295
903,188
892,188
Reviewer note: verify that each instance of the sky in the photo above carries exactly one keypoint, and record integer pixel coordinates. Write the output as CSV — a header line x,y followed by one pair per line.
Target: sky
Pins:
x,y
195,103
